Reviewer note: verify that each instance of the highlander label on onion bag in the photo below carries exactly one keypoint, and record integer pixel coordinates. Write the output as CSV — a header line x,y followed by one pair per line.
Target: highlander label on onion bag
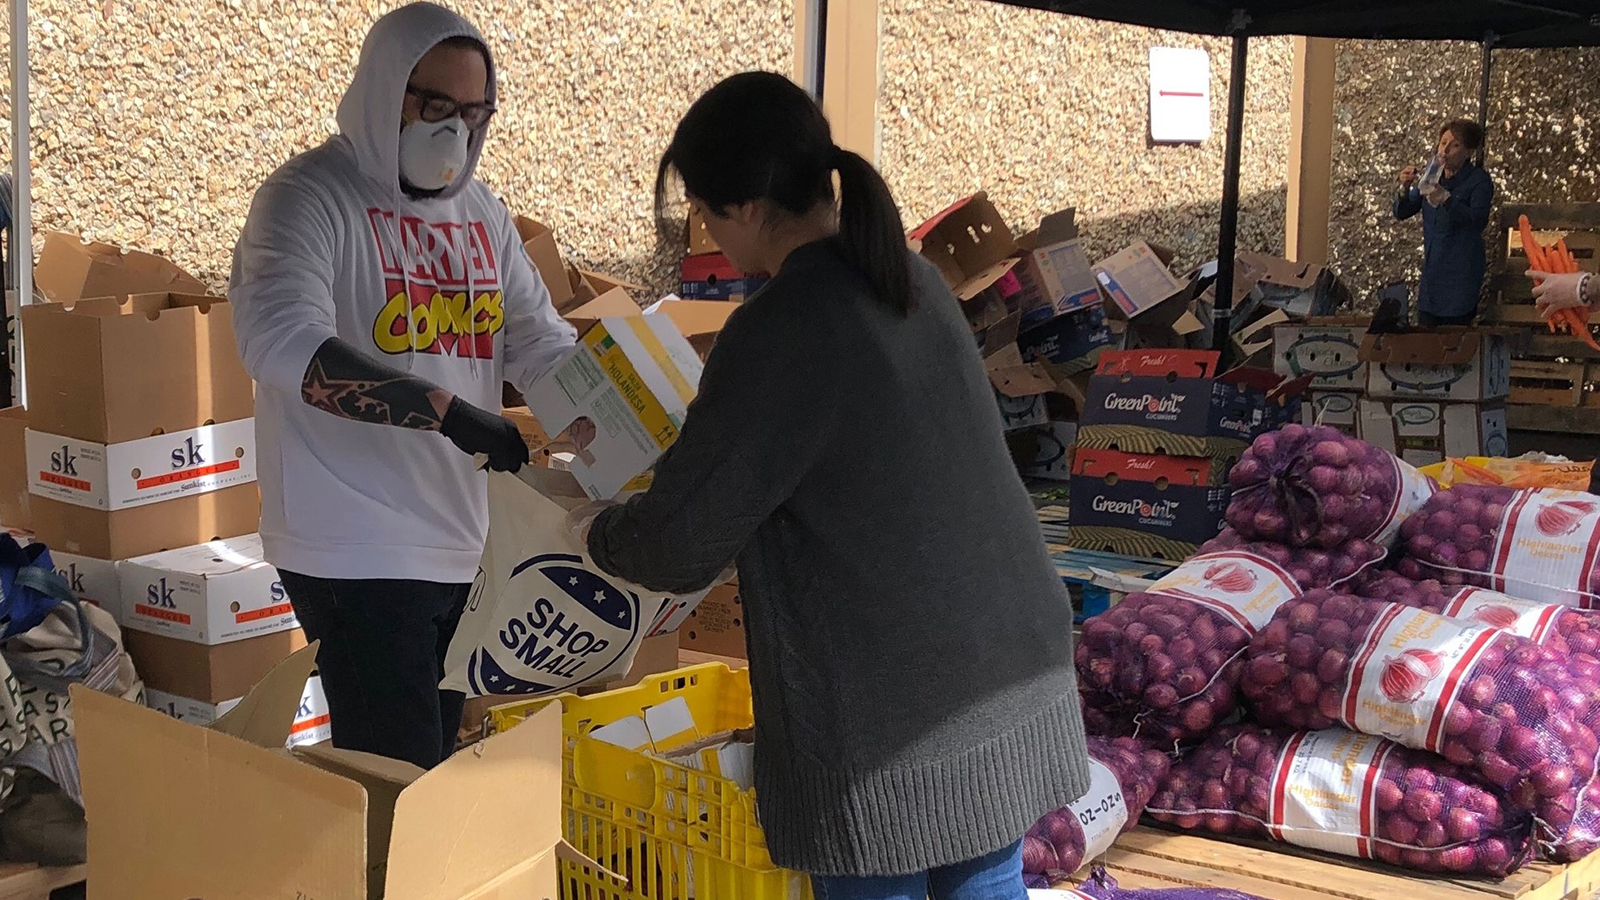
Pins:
x,y
1523,618
1244,588
1324,791
1407,672
1549,541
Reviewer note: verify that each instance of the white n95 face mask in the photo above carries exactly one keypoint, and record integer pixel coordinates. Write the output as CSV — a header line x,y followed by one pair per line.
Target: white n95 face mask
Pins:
x,y
432,154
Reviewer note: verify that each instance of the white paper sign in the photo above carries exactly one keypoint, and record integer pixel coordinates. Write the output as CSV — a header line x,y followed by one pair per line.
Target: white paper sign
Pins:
x,y
1180,95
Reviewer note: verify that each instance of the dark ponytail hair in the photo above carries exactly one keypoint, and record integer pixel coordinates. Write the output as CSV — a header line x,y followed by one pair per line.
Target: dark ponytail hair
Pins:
x,y
759,136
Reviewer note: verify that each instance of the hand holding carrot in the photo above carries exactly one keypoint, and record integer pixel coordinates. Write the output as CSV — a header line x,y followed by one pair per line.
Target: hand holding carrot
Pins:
x,y
1553,291
1559,288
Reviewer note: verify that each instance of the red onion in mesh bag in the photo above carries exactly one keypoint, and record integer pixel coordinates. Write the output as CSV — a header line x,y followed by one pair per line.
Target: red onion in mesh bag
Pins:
x,y
1310,567
1346,793
1542,544
1316,487
1123,774
1166,661
1575,632
1517,713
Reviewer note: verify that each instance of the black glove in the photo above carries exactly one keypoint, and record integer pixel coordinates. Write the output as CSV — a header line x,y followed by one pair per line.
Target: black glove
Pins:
x,y
478,431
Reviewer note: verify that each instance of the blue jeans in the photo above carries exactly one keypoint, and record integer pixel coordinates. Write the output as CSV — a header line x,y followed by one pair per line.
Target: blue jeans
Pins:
x,y
997,876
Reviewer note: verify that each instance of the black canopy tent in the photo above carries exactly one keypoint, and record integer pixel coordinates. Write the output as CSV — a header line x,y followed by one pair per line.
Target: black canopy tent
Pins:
x,y
1495,24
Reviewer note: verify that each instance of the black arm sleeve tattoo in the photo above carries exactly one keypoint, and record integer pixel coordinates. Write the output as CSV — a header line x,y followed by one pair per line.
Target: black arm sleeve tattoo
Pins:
x,y
343,381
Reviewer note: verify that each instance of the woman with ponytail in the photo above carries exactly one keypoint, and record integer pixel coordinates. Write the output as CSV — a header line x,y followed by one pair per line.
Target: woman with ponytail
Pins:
x,y
915,704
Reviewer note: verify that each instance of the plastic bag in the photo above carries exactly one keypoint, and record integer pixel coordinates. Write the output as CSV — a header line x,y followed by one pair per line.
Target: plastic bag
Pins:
x,y
1540,544
1518,714
1122,777
1345,793
542,618
1102,886
1531,470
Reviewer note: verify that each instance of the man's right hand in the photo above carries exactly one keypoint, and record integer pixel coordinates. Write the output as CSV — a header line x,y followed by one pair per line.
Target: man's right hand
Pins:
x,y
1408,176
476,431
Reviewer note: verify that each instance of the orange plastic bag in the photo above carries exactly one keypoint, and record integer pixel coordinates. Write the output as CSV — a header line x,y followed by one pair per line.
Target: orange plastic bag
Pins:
x,y
1532,470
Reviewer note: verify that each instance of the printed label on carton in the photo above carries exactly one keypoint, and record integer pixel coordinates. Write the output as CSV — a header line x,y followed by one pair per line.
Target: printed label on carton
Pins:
x,y
1549,541
1103,811
1324,791
1330,354
91,580
149,470
1407,672
1523,618
1245,589
210,594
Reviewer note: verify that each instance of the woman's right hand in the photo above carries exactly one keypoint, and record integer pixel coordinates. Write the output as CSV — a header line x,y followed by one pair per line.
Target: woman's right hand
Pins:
x,y
1408,176
1557,291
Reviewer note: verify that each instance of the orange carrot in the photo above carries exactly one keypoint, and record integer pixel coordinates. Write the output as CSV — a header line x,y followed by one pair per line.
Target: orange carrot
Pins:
x,y
1530,247
1567,262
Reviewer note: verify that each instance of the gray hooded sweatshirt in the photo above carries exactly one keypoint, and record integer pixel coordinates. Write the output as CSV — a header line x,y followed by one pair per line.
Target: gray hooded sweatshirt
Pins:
x,y
438,287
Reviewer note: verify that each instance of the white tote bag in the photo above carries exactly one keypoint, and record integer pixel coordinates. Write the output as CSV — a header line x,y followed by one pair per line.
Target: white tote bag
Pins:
x,y
542,618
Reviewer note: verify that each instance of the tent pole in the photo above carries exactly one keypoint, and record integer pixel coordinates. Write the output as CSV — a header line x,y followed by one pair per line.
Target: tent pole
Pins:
x,y
1227,237
813,45
1487,69
21,219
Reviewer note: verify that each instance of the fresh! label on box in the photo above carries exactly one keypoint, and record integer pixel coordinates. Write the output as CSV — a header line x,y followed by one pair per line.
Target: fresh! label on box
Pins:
x,y
137,473
633,377
209,594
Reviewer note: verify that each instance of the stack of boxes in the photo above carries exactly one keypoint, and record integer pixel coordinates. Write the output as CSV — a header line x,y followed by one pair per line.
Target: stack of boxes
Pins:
x,y
1437,394
707,274
141,466
1328,351
1160,430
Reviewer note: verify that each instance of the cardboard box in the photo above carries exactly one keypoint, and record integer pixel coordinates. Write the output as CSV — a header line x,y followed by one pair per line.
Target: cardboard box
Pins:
x,y
1044,451
1423,432
1055,272
1138,281
91,580
1453,364
208,674
1179,498
969,243
210,594
633,377
700,240
1335,409
240,816
180,522
533,434
1068,343
14,468
140,472
312,723
539,242
69,269
1182,393
110,370
1019,386
717,625
588,285
711,276
1328,350
700,321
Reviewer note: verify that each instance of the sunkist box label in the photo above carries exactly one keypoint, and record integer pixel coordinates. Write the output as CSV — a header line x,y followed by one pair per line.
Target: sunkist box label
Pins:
x,y
137,473
1245,589
211,594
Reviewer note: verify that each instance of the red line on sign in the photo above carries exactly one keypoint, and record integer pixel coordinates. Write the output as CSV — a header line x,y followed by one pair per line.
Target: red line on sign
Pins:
x,y
281,609
187,475
308,724
76,484
167,615
1180,94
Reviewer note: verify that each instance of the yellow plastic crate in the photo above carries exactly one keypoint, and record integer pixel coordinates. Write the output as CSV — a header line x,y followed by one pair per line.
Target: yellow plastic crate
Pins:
x,y
675,833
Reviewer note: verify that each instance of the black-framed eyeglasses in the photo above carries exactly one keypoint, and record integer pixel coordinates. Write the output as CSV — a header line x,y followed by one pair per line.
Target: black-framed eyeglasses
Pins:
x,y
437,107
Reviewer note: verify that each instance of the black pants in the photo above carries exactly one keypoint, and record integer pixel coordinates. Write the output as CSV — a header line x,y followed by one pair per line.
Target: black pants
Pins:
x,y
1429,320
381,660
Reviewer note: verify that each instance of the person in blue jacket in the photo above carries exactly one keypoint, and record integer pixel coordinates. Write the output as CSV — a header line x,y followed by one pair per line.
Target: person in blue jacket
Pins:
x,y
1455,213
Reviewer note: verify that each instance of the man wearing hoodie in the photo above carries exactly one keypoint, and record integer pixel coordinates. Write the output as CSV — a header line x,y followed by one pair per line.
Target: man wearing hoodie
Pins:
x,y
380,297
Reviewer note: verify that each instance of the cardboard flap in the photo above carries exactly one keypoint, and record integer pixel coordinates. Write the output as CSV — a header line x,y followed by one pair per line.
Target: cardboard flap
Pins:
x,y
1277,270
613,303
969,243
555,484
1263,380
383,780
1160,363
69,269
484,812
1436,348
568,853
1058,227
699,318
182,811
265,717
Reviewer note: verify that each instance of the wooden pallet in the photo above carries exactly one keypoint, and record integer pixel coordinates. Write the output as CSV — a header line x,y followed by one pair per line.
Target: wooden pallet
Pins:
x,y
27,882
1149,858
1547,383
